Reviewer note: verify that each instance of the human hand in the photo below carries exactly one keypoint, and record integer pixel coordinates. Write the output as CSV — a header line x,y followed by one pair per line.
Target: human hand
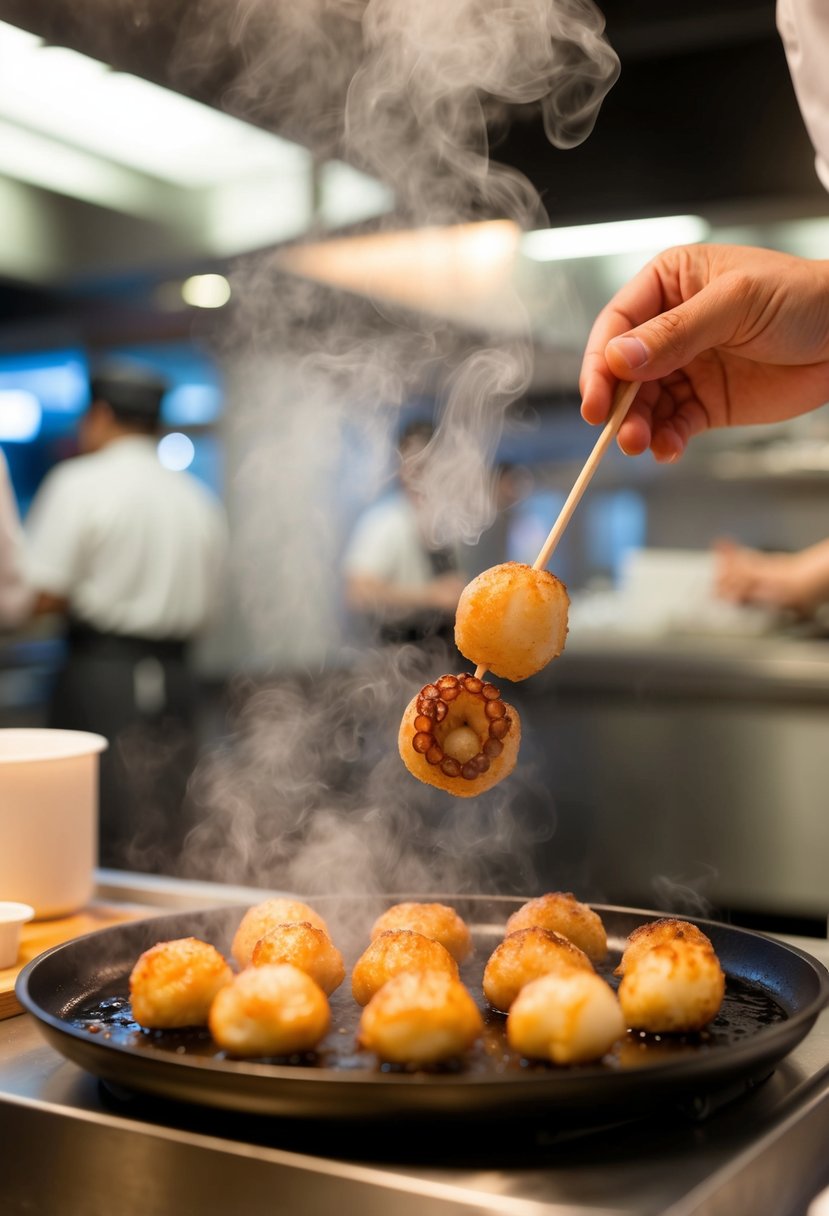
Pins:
x,y
720,335
746,576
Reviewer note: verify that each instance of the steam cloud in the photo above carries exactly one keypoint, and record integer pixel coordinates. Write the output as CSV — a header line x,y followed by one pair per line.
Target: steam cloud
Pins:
x,y
307,791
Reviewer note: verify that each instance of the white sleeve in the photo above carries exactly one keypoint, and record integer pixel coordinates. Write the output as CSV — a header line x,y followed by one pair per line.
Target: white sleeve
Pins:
x,y
804,29
15,594
374,547
54,532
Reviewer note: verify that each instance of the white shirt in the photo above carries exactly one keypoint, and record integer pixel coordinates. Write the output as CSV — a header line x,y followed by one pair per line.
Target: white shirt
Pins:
x,y
804,28
386,544
15,595
135,548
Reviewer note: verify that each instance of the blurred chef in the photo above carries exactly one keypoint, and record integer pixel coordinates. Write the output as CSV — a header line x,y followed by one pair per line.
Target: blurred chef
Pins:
x,y
131,554
404,587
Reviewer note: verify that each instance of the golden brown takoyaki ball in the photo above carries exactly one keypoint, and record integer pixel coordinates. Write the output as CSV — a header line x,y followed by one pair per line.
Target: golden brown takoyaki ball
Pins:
x,y
511,620
564,914
305,947
437,921
676,986
420,1017
656,933
173,983
271,912
395,951
570,1016
271,1010
524,956
457,734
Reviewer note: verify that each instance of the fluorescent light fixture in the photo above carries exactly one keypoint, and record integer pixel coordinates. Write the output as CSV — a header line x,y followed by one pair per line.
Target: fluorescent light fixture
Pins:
x,y
176,451
622,236
20,416
205,291
72,125
426,268
44,161
79,101
349,197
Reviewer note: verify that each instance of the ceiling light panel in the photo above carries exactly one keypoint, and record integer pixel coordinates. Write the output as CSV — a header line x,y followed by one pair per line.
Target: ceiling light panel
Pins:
x,y
77,100
622,236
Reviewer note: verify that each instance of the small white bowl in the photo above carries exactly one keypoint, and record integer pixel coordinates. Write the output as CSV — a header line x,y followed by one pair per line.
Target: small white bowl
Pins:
x,y
12,917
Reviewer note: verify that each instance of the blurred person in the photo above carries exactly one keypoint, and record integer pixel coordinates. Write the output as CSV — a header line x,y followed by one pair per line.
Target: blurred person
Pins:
x,y
130,554
797,582
15,594
723,335
405,588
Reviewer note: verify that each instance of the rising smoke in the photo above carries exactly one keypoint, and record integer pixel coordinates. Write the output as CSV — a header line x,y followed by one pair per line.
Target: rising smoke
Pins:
x,y
306,791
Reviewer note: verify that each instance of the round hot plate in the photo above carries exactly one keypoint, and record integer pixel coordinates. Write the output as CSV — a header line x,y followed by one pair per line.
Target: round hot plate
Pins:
x,y
79,994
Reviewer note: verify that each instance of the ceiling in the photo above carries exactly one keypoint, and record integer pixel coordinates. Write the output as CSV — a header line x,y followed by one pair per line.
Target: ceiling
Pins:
x,y
703,117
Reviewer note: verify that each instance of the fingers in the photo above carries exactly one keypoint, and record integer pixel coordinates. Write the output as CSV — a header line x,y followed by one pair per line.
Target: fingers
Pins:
x,y
674,338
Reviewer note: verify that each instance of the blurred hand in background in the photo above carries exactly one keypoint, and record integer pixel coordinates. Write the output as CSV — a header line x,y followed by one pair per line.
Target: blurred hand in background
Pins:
x,y
795,581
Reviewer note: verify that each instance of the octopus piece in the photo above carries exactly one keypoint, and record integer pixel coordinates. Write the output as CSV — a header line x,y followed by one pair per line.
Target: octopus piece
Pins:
x,y
459,735
437,921
420,1017
564,914
512,620
673,987
393,952
173,983
261,917
656,933
570,1016
305,947
524,956
273,1010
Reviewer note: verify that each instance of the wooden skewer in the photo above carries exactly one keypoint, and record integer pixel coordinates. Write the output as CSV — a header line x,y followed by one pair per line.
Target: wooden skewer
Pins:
x,y
622,402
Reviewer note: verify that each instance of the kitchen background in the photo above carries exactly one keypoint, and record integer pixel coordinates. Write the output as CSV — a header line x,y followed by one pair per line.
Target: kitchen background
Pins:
x,y
193,207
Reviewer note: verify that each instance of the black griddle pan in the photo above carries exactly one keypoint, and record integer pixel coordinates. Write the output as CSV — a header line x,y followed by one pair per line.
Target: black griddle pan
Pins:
x,y
78,992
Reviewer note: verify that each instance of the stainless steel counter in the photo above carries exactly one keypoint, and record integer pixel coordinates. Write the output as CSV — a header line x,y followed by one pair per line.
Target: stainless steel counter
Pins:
x,y
72,1148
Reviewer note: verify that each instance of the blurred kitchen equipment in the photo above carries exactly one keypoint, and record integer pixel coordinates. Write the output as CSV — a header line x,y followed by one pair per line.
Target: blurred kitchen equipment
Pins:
x,y
12,917
48,817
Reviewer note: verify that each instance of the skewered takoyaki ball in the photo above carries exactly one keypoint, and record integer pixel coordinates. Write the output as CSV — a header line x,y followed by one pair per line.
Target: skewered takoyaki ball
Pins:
x,y
420,1017
393,952
173,983
564,914
305,947
512,619
437,921
524,956
656,933
570,1016
261,917
673,987
459,735
271,1010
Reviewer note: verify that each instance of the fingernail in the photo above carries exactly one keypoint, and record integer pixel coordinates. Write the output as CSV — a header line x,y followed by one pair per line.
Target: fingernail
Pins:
x,y
632,350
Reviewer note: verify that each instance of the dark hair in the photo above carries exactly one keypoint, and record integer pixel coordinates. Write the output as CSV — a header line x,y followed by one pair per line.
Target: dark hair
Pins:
x,y
132,392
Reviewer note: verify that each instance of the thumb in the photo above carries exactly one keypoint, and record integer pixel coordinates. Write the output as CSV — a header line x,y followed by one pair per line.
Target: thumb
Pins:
x,y
673,338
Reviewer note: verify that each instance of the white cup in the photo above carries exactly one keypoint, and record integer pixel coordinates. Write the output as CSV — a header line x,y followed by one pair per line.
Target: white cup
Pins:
x,y
12,918
48,817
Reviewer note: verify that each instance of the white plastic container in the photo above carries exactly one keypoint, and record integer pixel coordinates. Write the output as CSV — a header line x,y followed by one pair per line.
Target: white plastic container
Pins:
x,y
12,918
48,818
